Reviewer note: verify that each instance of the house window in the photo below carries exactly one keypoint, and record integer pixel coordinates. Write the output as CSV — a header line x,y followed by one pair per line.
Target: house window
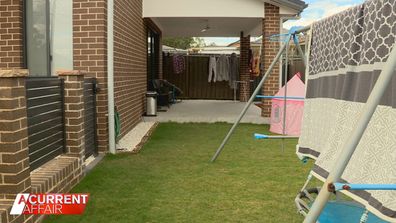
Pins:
x,y
152,58
37,37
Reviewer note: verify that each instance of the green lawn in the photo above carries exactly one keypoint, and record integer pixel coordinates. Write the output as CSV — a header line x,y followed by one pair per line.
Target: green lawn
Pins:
x,y
171,180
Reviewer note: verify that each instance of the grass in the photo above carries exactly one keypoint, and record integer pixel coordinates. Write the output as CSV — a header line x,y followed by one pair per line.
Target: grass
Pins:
x,y
171,180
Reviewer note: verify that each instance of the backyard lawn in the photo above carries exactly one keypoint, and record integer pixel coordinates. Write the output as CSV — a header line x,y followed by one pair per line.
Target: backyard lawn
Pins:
x,y
172,180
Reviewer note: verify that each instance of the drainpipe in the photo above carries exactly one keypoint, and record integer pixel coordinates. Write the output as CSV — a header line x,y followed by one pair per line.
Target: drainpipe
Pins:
x,y
110,74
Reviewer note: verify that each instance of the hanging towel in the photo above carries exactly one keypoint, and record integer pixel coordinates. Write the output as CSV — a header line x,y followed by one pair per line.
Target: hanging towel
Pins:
x,y
348,52
223,65
234,71
212,69
256,66
179,64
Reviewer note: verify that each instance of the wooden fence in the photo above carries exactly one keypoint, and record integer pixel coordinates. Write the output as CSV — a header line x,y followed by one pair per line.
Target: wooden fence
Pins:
x,y
194,80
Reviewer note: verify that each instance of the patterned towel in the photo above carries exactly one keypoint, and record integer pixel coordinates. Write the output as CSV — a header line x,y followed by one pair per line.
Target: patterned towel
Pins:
x,y
348,52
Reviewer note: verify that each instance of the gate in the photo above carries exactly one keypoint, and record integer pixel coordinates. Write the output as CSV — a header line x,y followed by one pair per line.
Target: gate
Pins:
x,y
45,119
90,117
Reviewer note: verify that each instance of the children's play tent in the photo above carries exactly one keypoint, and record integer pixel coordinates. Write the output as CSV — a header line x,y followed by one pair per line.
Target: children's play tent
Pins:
x,y
294,108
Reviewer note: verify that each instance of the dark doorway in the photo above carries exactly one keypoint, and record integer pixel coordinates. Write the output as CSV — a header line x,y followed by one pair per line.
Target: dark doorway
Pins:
x,y
152,58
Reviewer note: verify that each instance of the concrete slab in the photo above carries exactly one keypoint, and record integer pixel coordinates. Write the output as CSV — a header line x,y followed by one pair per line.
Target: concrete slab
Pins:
x,y
209,111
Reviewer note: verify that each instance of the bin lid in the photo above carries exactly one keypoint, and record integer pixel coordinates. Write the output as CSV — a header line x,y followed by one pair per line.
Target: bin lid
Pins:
x,y
151,94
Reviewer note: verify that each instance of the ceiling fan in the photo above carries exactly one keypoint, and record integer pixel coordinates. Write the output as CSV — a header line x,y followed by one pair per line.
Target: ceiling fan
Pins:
x,y
207,28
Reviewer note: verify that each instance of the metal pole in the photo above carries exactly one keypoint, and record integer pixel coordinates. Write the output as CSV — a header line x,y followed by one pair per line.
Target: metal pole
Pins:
x,y
304,58
110,75
303,29
350,145
262,136
243,112
286,75
280,97
343,186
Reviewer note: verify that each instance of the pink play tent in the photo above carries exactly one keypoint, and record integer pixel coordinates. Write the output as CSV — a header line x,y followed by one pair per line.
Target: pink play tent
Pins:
x,y
294,108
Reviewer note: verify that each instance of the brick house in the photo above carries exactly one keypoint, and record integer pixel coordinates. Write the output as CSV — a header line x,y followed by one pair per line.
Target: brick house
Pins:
x,y
119,44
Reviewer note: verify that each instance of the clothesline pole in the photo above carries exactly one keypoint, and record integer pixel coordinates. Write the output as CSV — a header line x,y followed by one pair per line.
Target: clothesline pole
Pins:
x,y
353,140
285,93
258,88
300,51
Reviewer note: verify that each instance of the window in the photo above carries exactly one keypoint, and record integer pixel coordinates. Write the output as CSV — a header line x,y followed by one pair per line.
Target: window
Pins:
x,y
37,37
48,36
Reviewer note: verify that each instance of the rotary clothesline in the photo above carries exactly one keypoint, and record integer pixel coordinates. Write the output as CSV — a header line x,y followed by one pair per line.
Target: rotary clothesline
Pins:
x,y
293,32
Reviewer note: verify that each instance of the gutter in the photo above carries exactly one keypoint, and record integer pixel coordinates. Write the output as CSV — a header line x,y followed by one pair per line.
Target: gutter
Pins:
x,y
110,75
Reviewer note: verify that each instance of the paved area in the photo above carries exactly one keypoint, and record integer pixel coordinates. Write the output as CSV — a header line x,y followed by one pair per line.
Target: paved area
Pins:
x,y
209,111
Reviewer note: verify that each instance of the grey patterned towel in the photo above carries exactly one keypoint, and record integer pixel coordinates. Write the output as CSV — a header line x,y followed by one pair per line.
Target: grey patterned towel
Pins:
x,y
348,52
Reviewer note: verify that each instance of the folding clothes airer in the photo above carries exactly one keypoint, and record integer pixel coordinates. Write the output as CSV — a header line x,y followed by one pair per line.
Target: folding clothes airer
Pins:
x,y
319,208
350,116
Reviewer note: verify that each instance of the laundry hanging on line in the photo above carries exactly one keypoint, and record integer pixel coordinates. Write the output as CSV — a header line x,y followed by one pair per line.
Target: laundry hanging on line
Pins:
x,y
212,69
179,63
223,66
234,71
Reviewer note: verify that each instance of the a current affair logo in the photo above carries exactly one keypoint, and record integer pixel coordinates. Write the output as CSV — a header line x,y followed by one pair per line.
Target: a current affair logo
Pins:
x,y
49,204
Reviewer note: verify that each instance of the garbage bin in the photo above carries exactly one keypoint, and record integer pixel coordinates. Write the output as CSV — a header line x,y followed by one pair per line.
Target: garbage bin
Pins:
x,y
151,103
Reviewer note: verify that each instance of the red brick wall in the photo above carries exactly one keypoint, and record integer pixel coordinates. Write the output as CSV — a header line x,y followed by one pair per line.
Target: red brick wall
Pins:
x,y
244,74
11,33
90,54
271,25
130,56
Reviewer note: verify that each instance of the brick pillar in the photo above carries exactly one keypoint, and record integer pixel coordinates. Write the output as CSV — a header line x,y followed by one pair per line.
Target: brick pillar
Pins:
x,y
11,34
14,153
271,26
244,73
74,112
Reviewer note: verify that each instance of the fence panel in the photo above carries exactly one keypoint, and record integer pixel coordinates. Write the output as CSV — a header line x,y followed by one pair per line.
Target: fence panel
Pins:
x,y
90,117
194,80
45,117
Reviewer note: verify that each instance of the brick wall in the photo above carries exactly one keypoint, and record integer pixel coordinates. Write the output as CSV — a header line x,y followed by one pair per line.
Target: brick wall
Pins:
x,y
56,176
271,25
11,33
89,54
130,55
244,73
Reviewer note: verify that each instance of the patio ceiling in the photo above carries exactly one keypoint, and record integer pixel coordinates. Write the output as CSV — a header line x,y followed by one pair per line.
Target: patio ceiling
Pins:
x,y
224,18
218,27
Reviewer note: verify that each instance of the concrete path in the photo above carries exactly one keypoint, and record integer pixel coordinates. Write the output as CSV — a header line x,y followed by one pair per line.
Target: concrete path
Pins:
x,y
209,111
134,139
